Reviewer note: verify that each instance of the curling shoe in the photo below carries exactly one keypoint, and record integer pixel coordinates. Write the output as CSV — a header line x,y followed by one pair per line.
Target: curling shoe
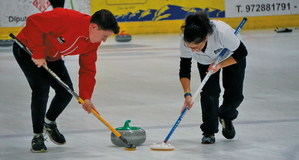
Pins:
x,y
53,133
38,144
228,130
208,139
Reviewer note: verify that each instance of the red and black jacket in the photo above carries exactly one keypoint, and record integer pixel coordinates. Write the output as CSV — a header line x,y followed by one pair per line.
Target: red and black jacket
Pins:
x,y
61,32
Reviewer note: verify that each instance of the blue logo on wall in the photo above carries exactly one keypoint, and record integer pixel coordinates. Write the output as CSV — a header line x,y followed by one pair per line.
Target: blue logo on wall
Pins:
x,y
168,12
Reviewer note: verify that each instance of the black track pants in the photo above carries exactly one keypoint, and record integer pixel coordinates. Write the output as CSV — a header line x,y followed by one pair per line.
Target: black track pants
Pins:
x,y
40,82
232,78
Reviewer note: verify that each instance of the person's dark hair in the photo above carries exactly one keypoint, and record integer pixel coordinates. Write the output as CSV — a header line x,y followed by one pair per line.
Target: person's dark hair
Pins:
x,y
105,20
57,3
197,26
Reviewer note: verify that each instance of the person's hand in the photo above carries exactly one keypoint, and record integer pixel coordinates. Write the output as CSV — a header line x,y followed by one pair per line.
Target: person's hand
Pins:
x,y
188,103
39,62
214,68
88,105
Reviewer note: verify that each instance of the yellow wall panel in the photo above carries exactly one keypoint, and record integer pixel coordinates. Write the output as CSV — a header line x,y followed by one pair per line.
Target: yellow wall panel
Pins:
x,y
166,16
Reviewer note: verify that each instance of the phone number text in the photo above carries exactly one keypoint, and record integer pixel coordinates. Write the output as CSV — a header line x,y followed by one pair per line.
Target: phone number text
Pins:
x,y
267,7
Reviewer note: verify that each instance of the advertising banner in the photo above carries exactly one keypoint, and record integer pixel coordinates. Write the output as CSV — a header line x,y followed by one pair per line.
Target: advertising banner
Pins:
x,y
249,8
158,10
156,16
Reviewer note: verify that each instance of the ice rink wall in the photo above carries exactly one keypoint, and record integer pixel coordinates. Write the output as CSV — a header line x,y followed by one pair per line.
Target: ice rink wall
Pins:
x,y
161,16
166,16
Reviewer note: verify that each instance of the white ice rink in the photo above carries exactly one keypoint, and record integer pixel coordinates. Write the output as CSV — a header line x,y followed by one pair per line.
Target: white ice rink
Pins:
x,y
139,81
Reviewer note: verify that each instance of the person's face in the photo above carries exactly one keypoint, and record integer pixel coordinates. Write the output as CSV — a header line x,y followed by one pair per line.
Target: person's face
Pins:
x,y
196,47
96,34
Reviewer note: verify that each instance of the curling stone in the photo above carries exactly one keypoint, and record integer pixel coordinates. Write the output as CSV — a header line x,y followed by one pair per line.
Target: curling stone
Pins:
x,y
134,135
123,37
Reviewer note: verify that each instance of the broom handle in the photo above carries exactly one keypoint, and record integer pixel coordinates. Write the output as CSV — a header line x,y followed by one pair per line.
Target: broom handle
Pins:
x,y
175,125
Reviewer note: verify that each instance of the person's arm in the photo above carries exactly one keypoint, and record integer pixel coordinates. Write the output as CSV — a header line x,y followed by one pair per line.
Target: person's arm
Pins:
x,y
239,54
185,76
185,82
232,42
87,80
185,73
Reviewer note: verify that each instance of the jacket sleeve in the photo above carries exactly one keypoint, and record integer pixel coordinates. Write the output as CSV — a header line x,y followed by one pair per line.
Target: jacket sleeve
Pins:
x,y
38,26
185,68
185,62
87,74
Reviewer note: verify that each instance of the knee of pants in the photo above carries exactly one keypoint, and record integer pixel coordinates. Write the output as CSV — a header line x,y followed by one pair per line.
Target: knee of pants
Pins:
x,y
209,99
238,101
210,91
209,106
233,102
228,113
69,96
62,92
66,95
40,92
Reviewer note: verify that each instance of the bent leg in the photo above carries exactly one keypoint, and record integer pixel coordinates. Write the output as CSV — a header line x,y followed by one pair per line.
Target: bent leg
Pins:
x,y
233,78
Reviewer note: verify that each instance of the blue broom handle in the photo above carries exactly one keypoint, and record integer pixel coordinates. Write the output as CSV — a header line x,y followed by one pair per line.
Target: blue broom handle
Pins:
x,y
175,125
237,31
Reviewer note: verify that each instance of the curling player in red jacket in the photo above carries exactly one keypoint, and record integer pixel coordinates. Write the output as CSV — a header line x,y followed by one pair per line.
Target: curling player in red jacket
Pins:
x,y
50,36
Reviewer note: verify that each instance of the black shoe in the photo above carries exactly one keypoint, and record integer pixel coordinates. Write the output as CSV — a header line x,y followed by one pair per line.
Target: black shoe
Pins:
x,y
228,130
54,134
208,139
37,144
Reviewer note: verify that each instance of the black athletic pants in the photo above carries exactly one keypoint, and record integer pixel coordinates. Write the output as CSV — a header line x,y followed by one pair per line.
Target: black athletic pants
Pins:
x,y
40,81
232,78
